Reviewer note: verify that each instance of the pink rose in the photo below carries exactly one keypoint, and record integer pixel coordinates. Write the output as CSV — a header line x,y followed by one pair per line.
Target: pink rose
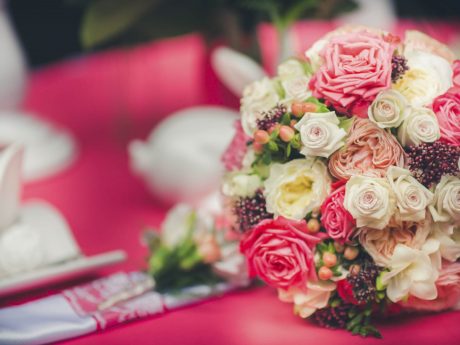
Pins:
x,y
456,72
357,66
233,156
281,252
448,285
337,221
447,110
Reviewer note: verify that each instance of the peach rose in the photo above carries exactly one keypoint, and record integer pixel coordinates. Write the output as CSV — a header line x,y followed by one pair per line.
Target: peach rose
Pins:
x,y
380,244
448,285
369,150
357,66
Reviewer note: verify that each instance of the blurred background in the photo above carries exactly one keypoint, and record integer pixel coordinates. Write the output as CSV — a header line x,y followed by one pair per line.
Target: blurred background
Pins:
x,y
51,30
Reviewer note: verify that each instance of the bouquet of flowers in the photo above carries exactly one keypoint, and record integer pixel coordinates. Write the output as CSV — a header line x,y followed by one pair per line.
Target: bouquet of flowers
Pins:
x,y
343,179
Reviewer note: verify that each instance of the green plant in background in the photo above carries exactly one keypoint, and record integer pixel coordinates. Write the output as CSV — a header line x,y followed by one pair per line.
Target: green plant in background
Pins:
x,y
120,22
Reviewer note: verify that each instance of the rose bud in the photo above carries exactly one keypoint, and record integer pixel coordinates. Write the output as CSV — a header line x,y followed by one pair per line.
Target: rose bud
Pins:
x,y
329,259
324,273
313,225
261,136
286,133
351,253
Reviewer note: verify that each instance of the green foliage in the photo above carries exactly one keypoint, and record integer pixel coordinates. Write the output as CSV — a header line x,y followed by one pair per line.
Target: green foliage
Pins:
x,y
109,22
104,19
360,322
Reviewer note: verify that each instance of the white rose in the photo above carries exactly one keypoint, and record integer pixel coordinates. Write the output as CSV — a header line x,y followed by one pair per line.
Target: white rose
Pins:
x,y
389,109
412,198
296,188
446,204
313,53
306,302
429,76
320,134
240,184
296,89
290,69
411,273
420,126
370,201
183,221
258,97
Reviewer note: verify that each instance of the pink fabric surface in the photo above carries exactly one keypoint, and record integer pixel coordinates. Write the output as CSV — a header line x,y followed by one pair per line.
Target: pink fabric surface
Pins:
x,y
106,100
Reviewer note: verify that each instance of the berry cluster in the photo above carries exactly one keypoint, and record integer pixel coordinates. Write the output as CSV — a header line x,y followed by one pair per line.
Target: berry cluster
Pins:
x,y
271,117
431,161
250,211
398,67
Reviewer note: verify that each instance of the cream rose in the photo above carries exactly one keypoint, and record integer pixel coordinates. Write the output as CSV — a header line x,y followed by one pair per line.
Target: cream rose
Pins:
x,y
320,134
429,76
370,201
296,89
306,302
290,69
258,97
389,109
296,188
446,204
240,184
420,126
294,80
412,198
411,273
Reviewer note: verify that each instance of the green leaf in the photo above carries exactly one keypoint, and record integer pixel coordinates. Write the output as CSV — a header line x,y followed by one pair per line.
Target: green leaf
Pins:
x,y
105,19
288,150
272,146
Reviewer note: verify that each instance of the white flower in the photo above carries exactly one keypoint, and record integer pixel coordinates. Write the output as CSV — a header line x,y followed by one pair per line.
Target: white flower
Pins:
x,y
306,302
313,53
389,109
420,126
446,204
320,134
370,201
411,273
449,242
412,198
296,188
429,76
240,184
290,69
183,221
258,97
296,89
232,265
294,80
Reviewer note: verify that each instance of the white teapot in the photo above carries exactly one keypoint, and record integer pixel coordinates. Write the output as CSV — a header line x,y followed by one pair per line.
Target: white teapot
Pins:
x,y
181,159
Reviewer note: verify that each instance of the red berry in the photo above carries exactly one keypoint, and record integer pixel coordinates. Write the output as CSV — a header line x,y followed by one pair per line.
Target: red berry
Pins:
x,y
351,253
329,259
286,133
308,107
324,273
261,137
313,225
297,109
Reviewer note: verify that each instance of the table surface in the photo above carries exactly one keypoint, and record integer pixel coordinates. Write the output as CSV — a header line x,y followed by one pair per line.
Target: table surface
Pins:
x,y
110,98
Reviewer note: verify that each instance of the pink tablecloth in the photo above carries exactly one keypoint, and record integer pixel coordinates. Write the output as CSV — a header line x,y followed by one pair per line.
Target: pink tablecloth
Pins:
x,y
110,98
